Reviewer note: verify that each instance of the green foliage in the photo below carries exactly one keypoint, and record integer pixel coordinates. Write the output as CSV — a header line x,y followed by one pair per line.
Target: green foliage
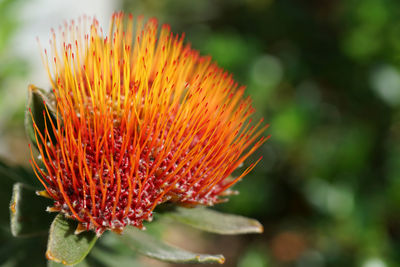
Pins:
x,y
215,222
152,247
25,208
66,247
8,176
39,107
24,251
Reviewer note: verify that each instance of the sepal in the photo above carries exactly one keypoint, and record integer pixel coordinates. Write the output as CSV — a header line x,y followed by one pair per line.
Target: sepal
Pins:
x,y
27,212
39,105
64,246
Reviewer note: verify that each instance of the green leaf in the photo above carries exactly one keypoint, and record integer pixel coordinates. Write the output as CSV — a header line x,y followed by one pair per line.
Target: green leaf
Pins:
x,y
9,175
214,222
152,247
27,212
66,247
58,264
37,102
100,257
6,185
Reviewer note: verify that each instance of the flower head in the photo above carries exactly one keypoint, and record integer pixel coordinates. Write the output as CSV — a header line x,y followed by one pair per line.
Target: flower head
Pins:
x,y
140,119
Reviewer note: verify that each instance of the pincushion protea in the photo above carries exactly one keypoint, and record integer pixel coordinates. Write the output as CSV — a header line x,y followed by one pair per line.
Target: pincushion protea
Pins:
x,y
139,119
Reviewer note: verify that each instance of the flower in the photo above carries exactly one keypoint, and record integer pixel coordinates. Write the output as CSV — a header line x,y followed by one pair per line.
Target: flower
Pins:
x,y
140,119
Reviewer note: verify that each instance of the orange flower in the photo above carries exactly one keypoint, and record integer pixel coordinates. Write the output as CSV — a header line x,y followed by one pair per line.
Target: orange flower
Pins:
x,y
141,119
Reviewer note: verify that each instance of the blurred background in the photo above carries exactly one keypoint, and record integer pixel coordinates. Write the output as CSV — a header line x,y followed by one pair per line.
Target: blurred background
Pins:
x,y
324,74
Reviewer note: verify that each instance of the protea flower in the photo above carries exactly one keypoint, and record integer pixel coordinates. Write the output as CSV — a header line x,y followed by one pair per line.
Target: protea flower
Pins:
x,y
139,119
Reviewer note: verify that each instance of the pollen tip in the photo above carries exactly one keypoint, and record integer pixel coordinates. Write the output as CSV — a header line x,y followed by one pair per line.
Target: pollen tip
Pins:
x,y
52,209
31,87
79,229
43,193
